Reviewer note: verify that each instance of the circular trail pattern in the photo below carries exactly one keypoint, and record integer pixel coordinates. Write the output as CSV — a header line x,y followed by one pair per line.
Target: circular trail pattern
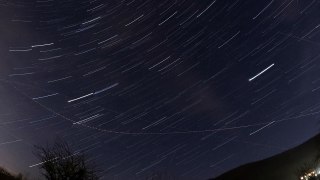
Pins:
x,y
192,88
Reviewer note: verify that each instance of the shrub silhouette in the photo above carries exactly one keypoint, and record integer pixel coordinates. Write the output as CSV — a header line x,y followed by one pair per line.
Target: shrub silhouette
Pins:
x,y
59,162
5,175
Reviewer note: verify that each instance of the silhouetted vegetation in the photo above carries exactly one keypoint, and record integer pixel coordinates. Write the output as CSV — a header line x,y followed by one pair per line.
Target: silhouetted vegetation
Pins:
x,y
59,162
5,175
310,170
307,168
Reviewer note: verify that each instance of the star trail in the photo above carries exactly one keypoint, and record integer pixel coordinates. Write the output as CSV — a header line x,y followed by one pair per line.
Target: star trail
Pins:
x,y
193,88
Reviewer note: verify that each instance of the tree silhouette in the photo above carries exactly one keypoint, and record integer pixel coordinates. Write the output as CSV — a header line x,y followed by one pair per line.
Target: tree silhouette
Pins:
x,y
311,167
59,162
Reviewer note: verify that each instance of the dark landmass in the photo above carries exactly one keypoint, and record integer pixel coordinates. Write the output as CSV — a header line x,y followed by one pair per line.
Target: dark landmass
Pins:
x,y
284,166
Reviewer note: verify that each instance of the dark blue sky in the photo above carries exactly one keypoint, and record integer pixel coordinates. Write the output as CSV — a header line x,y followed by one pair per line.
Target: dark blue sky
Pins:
x,y
190,87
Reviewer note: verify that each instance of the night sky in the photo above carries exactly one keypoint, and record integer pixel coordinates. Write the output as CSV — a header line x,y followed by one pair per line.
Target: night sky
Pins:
x,y
194,88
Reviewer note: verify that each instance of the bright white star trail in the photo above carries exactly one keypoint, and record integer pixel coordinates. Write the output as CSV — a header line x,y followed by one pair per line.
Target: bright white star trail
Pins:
x,y
266,69
194,88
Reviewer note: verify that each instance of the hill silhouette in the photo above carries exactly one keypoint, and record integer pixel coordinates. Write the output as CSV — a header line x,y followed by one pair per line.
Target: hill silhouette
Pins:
x,y
284,166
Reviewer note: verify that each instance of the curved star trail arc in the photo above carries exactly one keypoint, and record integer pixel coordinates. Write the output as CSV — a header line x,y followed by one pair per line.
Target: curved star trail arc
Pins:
x,y
264,124
194,88
136,133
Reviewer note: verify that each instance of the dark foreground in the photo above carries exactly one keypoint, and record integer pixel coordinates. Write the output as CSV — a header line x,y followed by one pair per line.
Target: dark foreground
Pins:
x,y
284,166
